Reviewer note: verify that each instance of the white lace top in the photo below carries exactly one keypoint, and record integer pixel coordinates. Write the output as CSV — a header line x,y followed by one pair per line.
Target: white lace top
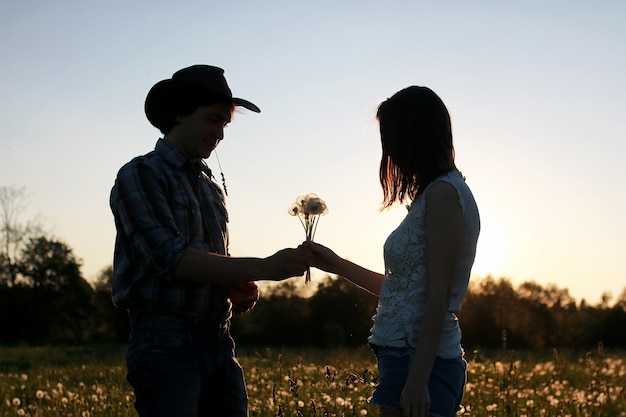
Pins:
x,y
403,294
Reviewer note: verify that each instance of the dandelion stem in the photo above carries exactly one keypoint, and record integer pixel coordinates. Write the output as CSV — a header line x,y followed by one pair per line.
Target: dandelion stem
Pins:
x,y
314,226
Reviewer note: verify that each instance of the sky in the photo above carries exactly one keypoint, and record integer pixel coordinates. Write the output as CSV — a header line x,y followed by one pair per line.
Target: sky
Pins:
x,y
536,91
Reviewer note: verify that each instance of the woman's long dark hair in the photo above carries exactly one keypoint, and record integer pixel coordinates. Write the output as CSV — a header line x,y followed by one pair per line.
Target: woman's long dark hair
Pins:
x,y
416,138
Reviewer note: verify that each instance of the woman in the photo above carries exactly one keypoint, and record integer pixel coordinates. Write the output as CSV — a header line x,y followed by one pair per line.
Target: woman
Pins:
x,y
428,258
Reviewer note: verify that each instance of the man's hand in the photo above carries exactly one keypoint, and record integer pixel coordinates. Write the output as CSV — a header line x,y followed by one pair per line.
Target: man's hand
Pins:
x,y
243,296
287,263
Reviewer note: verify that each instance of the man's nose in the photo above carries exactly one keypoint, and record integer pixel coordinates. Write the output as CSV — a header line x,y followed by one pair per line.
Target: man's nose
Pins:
x,y
219,135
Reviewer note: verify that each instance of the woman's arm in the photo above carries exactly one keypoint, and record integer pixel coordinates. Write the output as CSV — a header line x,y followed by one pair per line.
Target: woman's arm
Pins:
x,y
444,235
327,260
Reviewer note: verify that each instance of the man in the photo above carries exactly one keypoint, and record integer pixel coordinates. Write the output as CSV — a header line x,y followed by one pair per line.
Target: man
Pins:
x,y
172,269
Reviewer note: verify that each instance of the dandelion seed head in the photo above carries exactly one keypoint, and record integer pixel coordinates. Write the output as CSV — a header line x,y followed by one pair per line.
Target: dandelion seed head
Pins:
x,y
308,205
314,205
293,210
16,402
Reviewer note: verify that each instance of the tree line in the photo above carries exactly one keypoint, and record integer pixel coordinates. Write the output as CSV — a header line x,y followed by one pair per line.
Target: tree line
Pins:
x,y
45,299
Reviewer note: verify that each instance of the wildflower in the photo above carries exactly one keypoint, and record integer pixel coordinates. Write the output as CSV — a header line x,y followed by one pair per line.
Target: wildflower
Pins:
x,y
39,394
308,208
16,402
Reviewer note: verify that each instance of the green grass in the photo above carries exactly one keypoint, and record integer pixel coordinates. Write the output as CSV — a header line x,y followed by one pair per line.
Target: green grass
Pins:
x,y
90,381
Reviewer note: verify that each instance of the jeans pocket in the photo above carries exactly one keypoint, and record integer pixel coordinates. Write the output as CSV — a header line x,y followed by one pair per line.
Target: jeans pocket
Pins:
x,y
170,339
168,342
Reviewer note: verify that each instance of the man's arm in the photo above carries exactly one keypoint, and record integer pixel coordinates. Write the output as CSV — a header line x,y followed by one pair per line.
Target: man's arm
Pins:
x,y
201,267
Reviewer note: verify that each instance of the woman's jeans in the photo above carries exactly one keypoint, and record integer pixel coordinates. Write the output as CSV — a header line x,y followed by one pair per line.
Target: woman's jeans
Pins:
x,y
184,368
445,386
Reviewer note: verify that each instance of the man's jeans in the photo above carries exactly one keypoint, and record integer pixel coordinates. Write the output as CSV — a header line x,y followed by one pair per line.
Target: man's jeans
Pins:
x,y
179,367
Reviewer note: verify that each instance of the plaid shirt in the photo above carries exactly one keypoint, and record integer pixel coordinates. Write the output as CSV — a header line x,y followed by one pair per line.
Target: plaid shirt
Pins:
x,y
162,204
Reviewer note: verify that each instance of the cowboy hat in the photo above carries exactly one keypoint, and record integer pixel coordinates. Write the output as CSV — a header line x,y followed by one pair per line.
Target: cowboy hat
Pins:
x,y
198,80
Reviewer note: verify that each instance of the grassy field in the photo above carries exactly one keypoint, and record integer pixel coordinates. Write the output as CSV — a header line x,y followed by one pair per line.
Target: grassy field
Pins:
x,y
90,381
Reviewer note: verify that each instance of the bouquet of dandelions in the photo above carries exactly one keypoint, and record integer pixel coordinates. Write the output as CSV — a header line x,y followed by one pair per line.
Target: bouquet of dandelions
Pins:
x,y
308,208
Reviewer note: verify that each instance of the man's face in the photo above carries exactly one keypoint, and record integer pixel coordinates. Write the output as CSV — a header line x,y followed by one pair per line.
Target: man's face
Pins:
x,y
197,134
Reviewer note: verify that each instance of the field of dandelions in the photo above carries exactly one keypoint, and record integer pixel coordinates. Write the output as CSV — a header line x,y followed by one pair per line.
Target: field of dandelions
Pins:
x,y
90,381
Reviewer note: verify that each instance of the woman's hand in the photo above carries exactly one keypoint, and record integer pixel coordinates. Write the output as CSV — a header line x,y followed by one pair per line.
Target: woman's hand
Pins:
x,y
323,257
415,400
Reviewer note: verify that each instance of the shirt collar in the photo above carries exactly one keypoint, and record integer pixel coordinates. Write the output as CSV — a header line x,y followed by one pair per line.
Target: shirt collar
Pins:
x,y
169,153
173,156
